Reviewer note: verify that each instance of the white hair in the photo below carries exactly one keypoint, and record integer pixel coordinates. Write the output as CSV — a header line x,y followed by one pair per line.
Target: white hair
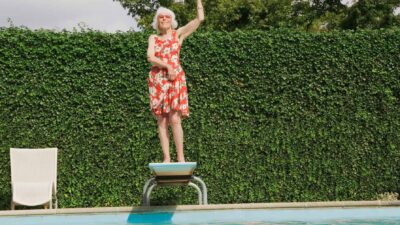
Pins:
x,y
164,11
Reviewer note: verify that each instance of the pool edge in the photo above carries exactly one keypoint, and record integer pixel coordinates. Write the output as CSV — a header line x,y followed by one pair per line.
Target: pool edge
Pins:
x,y
133,209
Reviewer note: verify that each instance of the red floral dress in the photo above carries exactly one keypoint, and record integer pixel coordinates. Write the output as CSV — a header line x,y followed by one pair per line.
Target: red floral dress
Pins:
x,y
166,95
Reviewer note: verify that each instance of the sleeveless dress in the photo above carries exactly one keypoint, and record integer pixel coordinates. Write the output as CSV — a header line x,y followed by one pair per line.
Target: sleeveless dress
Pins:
x,y
166,95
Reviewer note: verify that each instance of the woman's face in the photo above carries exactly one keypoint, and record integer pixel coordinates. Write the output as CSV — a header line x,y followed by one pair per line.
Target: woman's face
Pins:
x,y
164,21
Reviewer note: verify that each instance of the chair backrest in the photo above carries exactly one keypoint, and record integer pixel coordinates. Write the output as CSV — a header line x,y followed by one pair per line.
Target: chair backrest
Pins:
x,y
34,165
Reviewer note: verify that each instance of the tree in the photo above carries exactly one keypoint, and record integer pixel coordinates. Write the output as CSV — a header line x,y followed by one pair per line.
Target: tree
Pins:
x,y
372,14
310,15
335,14
220,14
324,14
249,14
143,10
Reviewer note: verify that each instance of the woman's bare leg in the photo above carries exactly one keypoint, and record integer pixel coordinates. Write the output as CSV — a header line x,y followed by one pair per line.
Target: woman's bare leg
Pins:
x,y
162,122
177,131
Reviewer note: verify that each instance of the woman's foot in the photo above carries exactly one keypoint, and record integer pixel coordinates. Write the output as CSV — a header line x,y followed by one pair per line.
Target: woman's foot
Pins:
x,y
166,160
181,160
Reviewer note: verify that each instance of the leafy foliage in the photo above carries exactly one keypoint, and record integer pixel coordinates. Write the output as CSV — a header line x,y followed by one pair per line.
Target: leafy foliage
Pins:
x,y
372,14
309,15
276,116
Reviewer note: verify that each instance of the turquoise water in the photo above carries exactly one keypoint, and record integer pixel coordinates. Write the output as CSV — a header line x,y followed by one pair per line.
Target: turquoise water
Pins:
x,y
348,216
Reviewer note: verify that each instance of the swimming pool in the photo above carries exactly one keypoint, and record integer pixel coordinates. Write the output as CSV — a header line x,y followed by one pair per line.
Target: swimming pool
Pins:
x,y
370,215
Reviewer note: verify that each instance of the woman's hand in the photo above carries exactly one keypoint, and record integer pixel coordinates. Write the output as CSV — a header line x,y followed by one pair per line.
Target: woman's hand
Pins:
x,y
192,26
171,73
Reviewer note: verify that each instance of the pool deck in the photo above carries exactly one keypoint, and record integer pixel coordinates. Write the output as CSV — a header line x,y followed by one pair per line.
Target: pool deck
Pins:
x,y
137,209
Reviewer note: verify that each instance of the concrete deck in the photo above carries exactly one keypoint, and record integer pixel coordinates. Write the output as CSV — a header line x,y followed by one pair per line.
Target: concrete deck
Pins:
x,y
136,209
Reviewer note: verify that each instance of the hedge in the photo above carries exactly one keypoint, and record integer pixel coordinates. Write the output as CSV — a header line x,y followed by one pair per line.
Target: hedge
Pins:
x,y
275,116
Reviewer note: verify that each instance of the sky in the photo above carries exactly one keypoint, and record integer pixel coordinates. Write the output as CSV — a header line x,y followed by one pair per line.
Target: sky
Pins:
x,y
103,15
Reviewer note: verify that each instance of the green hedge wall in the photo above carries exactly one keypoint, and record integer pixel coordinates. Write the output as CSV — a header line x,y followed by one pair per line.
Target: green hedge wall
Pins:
x,y
275,116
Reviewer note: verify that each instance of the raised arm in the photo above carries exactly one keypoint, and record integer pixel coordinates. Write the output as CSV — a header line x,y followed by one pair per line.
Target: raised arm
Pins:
x,y
192,26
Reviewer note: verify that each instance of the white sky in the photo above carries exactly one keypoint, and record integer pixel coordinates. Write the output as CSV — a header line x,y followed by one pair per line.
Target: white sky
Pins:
x,y
104,15
348,2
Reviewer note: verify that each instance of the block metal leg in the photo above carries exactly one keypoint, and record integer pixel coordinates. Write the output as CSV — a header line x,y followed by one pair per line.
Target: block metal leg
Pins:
x,y
152,183
198,191
204,189
145,190
147,196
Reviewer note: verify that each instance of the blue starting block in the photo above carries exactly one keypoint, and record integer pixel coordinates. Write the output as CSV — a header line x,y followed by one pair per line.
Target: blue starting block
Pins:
x,y
174,174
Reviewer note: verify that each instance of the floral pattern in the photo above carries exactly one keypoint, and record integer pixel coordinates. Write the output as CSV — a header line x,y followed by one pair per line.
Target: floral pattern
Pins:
x,y
166,95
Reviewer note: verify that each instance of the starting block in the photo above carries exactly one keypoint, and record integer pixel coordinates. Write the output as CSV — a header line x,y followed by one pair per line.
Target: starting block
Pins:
x,y
174,174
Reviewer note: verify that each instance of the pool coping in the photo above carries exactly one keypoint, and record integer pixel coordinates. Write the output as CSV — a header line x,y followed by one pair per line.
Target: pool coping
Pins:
x,y
138,209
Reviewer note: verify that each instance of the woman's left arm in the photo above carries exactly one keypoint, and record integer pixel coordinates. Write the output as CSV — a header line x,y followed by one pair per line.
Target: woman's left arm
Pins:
x,y
192,26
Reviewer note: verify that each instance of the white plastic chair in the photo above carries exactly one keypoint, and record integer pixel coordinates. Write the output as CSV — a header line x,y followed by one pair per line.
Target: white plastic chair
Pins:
x,y
34,177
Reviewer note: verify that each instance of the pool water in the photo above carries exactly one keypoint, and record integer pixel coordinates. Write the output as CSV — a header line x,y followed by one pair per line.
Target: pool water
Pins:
x,y
381,216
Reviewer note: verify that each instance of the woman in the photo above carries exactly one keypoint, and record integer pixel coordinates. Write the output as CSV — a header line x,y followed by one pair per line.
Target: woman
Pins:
x,y
167,83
